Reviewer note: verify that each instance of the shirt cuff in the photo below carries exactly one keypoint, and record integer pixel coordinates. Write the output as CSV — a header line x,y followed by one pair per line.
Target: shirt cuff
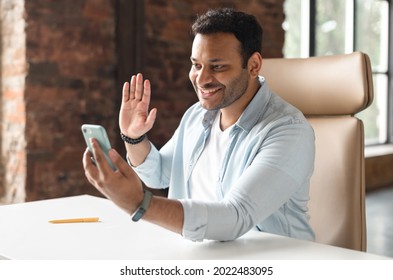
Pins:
x,y
144,169
195,220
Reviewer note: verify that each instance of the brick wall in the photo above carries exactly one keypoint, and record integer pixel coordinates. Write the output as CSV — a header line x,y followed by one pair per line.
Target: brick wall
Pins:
x,y
12,107
168,45
71,79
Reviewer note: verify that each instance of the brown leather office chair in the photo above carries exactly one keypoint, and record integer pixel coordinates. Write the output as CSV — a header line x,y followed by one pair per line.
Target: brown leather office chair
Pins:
x,y
330,90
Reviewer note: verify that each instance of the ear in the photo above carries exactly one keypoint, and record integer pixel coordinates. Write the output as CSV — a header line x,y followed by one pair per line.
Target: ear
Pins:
x,y
254,64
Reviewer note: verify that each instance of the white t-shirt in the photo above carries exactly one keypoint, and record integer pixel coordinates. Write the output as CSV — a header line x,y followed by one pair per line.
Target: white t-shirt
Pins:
x,y
206,170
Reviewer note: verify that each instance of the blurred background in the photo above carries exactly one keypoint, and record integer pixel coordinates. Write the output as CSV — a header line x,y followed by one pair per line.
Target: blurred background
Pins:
x,y
63,64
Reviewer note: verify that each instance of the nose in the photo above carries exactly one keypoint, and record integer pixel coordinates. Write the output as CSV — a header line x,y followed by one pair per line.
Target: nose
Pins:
x,y
203,76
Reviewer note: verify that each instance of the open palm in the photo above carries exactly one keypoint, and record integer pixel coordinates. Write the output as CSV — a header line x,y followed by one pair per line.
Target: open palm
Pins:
x,y
135,119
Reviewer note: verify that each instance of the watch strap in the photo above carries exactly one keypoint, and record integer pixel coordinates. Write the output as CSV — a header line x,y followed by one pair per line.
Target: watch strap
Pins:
x,y
138,214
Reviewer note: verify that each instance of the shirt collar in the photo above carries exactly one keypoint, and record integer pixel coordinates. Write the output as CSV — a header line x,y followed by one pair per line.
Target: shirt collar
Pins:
x,y
255,108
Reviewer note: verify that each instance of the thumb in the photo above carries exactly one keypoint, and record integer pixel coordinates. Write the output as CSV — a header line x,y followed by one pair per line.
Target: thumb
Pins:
x,y
123,167
119,162
151,118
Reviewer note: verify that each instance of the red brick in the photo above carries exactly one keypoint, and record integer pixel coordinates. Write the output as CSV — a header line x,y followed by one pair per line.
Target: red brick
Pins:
x,y
68,55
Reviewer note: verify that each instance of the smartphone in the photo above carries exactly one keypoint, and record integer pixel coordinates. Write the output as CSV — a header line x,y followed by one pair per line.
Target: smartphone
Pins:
x,y
99,133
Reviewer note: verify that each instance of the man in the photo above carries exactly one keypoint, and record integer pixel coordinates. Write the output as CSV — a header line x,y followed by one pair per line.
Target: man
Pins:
x,y
241,157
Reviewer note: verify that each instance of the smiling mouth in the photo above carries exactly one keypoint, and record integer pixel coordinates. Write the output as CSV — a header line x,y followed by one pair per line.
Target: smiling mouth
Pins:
x,y
208,92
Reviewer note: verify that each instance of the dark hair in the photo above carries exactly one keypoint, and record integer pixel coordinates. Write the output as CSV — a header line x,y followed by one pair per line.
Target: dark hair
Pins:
x,y
244,26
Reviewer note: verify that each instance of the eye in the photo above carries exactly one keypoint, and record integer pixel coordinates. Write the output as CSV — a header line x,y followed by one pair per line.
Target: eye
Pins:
x,y
218,67
196,66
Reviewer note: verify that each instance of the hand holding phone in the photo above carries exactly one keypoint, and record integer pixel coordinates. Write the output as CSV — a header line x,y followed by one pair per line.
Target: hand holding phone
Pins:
x,y
99,133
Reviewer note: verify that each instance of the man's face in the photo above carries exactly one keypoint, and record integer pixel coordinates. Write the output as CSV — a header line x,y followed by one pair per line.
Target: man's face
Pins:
x,y
216,73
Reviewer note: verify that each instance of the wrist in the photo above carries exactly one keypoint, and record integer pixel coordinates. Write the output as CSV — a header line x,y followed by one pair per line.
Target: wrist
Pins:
x,y
132,141
144,205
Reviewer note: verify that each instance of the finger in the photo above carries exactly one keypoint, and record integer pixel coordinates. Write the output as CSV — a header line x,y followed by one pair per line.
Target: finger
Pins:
x,y
126,92
132,87
86,160
151,118
89,167
102,164
121,164
91,172
146,92
139,86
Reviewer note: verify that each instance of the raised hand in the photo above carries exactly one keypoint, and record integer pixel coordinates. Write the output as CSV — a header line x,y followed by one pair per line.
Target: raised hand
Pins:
x,y
135,119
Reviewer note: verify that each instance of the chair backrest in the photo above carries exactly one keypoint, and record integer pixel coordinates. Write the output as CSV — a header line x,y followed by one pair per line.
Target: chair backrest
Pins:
x,y
329,91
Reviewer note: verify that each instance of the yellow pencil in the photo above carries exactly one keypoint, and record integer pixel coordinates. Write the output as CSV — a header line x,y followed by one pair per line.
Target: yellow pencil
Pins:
x,y
76,220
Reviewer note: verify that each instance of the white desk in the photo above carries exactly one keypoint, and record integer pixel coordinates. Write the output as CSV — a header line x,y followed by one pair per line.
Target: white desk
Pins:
x,y
26,234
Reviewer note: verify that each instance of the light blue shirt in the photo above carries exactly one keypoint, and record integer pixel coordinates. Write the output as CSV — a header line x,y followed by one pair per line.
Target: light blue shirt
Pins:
x,y
264,178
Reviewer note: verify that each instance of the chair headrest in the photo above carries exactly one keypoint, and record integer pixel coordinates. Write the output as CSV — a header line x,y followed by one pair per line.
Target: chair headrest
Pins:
x,y
328,85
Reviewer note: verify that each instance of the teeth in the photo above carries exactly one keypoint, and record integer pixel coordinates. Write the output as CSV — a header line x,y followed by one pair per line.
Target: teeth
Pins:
x,y
210,91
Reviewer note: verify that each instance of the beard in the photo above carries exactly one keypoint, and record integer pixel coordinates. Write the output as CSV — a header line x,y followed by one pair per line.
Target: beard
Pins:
x,y
226,95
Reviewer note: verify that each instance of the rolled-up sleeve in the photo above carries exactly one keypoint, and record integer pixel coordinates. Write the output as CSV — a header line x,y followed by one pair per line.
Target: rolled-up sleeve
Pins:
x,y
155,170
278,175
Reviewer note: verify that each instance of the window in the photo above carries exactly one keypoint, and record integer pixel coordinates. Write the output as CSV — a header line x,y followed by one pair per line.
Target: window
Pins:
x,y
319,27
